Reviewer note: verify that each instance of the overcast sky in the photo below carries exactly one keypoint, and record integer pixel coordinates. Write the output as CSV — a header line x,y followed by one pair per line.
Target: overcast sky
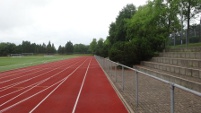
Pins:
x,y
58,21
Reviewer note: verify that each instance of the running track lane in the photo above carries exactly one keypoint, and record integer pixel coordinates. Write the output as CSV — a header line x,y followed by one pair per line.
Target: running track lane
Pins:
x,y
87,90
27,97
97,94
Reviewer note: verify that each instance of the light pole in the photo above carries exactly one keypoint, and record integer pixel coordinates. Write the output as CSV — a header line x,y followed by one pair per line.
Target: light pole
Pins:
x,y
182,24
200,28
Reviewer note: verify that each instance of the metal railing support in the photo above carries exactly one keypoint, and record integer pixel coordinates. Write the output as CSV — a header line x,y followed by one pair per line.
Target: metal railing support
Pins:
x,y
109,68
136,87
172,98
116,73
111,71
107,65
122,73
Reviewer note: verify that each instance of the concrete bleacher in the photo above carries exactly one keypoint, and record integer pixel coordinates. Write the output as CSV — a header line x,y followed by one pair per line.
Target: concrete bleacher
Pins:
x,y
181,66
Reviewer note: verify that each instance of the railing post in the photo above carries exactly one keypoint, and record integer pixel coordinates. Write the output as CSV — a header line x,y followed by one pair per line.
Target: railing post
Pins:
x,y
122,73
111,68
108,67
136,87
172,97
105,65
102,62
116,72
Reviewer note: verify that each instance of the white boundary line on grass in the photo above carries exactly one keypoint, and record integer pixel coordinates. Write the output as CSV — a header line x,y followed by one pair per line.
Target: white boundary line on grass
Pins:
x,y
83,81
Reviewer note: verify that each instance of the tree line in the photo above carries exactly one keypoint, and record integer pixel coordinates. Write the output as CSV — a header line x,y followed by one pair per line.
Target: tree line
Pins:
x,y
138,33
27,47
69,48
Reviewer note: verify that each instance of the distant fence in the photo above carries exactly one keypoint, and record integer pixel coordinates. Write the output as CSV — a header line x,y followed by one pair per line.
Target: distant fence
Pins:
x,y
22,54
147,93
181,38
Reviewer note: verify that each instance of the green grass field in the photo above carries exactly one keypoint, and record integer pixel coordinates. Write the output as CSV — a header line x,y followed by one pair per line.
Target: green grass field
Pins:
x,y
8,63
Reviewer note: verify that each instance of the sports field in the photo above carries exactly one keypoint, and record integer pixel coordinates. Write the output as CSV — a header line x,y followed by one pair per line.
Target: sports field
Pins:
x,y
8,63
75,85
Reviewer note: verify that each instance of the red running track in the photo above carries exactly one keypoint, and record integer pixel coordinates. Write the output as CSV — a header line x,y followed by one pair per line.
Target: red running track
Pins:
x,y
77,85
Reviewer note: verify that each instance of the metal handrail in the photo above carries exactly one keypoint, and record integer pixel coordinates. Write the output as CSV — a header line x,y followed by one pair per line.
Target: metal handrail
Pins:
x,y
162,80
172,85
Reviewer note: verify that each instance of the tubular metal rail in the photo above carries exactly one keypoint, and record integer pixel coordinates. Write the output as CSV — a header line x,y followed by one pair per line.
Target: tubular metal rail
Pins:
x,y
107,64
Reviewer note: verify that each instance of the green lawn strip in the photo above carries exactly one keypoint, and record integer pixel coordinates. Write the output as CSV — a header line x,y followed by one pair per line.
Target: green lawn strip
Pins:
x,y
8,63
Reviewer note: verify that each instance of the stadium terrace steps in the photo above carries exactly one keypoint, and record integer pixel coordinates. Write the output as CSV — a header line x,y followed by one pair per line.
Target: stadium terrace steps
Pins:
x,y
189,63
187,55
191,72
181,66
191,49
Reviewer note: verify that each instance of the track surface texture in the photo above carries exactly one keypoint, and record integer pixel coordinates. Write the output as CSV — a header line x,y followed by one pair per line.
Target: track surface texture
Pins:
x,y
76,85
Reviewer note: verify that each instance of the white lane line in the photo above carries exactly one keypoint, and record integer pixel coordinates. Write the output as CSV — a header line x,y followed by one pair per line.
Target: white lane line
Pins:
x,y
83,81
33,85
55,88
14,84
25,99
14,71
31,69
50,67
17,73
21,76
10,72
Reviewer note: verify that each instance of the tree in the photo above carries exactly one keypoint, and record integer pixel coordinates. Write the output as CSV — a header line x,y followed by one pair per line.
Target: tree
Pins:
x,y
49,47
171,11
26,47
150,22
61,50
7,49
53,49
117,52
118,29
99,47
106,47
80,48
190,9
92,46
145,33
69,47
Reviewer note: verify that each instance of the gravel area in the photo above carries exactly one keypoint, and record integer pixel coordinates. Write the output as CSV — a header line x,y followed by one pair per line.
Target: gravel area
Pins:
x,y
153,95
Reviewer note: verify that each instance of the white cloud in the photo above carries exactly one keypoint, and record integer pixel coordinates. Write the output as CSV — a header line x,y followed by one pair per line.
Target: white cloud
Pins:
x,y
58,21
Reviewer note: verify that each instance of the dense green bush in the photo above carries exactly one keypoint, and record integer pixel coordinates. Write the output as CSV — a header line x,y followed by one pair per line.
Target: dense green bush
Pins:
x,y
131,52
194,39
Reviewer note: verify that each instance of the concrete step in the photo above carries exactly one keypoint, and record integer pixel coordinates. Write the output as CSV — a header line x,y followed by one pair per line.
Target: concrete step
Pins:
x,y
190,63
191,49
185,81
190,72
188,55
